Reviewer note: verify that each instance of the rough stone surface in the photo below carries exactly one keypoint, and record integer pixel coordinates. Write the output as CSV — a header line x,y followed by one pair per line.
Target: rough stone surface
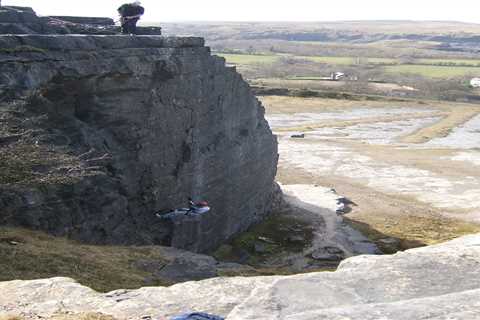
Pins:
x,y
328,253
438,282
86,20
181,266
23,20
126,126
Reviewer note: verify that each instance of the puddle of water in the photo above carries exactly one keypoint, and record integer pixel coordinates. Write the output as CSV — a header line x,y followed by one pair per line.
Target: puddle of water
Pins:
x,y
463,137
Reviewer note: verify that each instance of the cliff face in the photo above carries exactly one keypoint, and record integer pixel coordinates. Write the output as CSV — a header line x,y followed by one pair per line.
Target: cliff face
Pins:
x,y
438,282
99,132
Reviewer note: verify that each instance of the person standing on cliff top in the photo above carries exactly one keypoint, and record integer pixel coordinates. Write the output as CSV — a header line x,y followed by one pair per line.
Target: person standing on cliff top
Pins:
x,y
130,13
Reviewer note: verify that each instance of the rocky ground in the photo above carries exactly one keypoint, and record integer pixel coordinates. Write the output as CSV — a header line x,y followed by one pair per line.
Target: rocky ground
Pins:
x,y
437,282
410,168
26,254
309,234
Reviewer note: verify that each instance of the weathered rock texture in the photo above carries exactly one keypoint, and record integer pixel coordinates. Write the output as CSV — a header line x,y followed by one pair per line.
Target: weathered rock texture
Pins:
x,y
99,132
180,266
23,20
438,282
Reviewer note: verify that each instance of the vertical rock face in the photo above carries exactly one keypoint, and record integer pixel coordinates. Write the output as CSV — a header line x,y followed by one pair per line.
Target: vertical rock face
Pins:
x,y
120,127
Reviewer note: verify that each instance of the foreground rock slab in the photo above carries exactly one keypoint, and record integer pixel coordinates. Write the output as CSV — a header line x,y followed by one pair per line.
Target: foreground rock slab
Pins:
x,y
437,282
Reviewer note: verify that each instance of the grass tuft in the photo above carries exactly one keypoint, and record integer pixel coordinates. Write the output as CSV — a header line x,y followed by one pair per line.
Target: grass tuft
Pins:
x,y
20,49
27,164
28,255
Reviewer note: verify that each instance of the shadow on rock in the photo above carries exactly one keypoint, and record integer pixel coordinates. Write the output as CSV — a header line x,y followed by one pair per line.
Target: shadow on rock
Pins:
x,y
386,243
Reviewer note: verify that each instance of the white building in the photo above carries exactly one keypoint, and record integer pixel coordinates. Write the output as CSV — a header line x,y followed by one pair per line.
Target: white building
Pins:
x,y
475,82
337,76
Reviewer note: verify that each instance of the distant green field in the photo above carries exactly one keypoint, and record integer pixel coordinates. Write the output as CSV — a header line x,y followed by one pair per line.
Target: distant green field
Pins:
x,y
305,78
434,71
457,62
461,66
348,60
425,67
382,61
390,61
248,59
330,60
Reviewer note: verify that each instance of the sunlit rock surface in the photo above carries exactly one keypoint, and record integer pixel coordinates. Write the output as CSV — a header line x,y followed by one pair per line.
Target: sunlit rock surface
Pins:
x,y
24,20
437,282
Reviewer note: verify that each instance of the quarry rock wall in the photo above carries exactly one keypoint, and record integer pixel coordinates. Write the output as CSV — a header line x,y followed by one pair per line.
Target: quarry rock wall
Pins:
x,y
100,132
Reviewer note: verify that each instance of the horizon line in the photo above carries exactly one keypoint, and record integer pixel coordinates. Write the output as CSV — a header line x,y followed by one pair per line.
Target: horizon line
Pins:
x,y
312,21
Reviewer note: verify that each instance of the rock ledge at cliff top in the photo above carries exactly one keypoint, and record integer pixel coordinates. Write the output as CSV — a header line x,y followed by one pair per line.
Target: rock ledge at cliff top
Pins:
x,y
24,20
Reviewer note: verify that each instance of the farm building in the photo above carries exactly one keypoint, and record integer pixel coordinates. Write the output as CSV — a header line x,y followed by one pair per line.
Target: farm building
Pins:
x,y
475,82
337,76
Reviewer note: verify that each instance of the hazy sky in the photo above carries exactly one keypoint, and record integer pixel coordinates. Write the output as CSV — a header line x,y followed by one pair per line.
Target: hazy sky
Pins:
x,y
269,10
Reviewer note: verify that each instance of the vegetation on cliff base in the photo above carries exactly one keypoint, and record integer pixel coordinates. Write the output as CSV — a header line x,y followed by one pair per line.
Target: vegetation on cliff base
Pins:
x,y
410,231
27,255
277,235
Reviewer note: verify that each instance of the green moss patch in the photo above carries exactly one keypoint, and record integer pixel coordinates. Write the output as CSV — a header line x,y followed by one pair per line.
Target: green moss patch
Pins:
x,y
20,49
403,233
278,235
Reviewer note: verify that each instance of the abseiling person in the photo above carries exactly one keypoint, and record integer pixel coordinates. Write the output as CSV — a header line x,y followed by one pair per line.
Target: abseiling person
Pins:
x,y
130,13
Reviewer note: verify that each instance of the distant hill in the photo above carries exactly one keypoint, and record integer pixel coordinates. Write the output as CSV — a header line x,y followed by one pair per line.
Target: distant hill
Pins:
x,y
239,30
449,36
